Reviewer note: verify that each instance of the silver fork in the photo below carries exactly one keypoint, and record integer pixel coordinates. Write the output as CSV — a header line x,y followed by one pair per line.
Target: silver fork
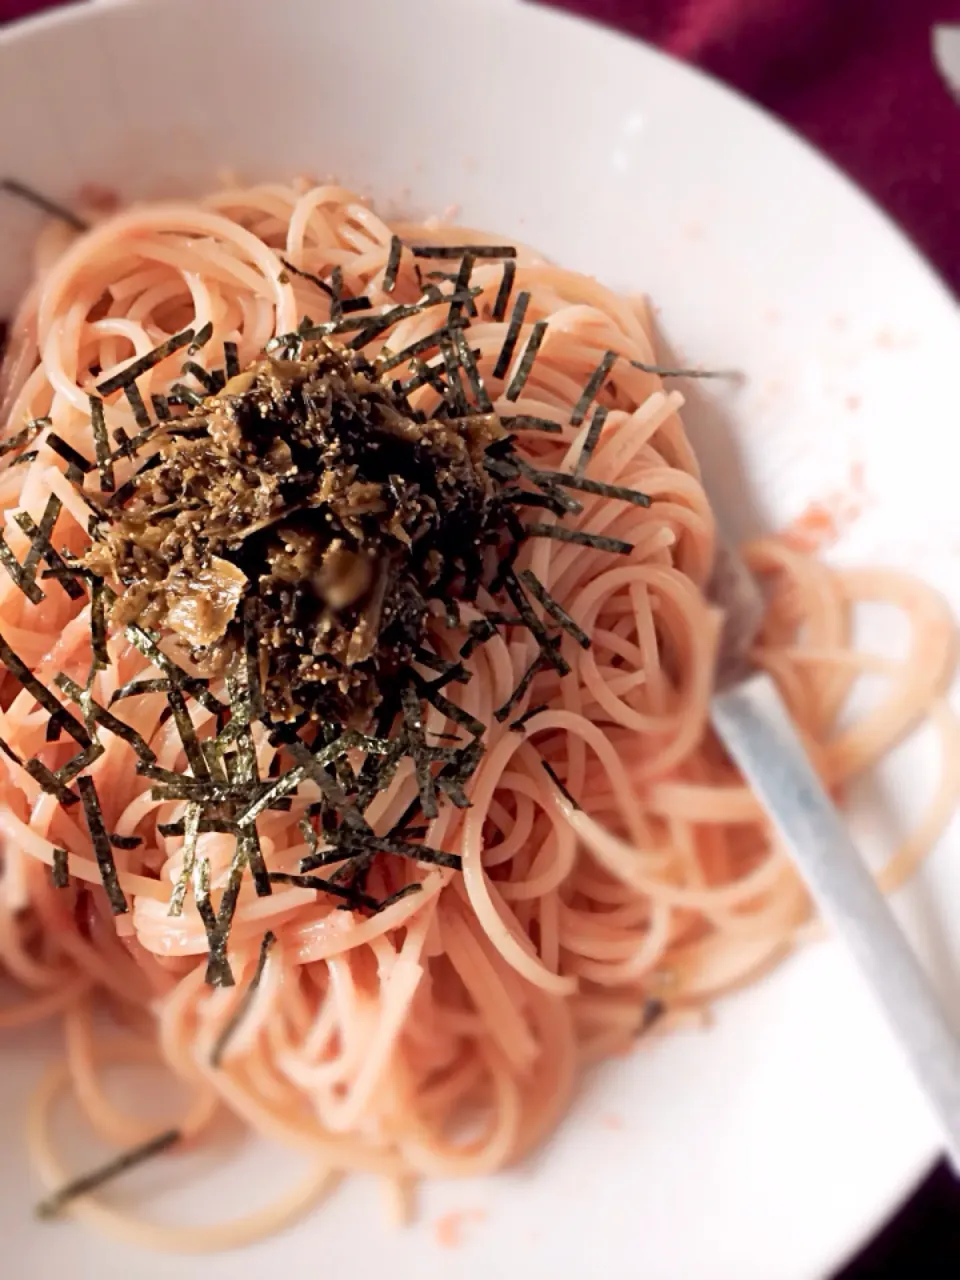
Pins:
x,y
750,717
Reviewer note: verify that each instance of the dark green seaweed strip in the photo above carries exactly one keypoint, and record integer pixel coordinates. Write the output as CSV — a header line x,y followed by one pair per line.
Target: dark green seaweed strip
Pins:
x,y
548,646
539,663
94,713
244,1003
24,437
180,393
218,972
598,541
59,872
590,443
14,187
161,408
393,265
348,894
101,845
520,724
190,369
615,492
336,293
506,288
593,388
50,783
428,342
15,569
513,334
525,367
469,365
683,373
554,608
461,283
203,336
231,360
526,422
71,456
309,275
87,1182
146,643
40,539
20,671
190,831
459,250
146,362
399,895
101,444
551,772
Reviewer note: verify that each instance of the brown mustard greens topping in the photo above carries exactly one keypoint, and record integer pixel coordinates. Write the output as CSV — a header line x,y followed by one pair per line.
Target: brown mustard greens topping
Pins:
x,y
308,497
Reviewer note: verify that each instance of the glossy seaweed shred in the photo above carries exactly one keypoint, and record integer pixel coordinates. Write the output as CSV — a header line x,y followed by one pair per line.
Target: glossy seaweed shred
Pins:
x,y
101,845
457,251
505,290
512,335
245,1001
554,608
616,546
145,362
552,774
393,265
593,388
101,443
55,1203
525,367
51,207
59,872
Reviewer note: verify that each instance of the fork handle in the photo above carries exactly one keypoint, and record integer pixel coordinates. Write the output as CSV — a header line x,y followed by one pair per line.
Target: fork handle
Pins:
x,y
753,723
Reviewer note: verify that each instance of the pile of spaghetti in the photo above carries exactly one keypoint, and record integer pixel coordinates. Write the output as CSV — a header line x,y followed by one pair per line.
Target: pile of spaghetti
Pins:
x,y
356,669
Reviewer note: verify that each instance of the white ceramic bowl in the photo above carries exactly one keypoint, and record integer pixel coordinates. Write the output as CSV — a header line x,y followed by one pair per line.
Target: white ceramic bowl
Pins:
x,y
768,1147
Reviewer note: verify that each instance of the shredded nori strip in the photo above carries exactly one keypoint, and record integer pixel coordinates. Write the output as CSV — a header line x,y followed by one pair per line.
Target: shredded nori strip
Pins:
x,y
593,388
539,663
87,1182
526,422
590,443
520,724
146,362
231,361
20,671
59,872
309,275
349,895
559,785
161,409
101,846
180,393
469,365
202,337
15,188
525,367
506,288
393,265
554,608
460,250
77,462
40,540
101,444
190,368
548,646
513,334
243,1005
17,572
596,540
653,1011
94,713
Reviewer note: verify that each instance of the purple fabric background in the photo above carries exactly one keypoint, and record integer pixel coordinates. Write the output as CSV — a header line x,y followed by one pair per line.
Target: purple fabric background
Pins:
x,y
856,78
